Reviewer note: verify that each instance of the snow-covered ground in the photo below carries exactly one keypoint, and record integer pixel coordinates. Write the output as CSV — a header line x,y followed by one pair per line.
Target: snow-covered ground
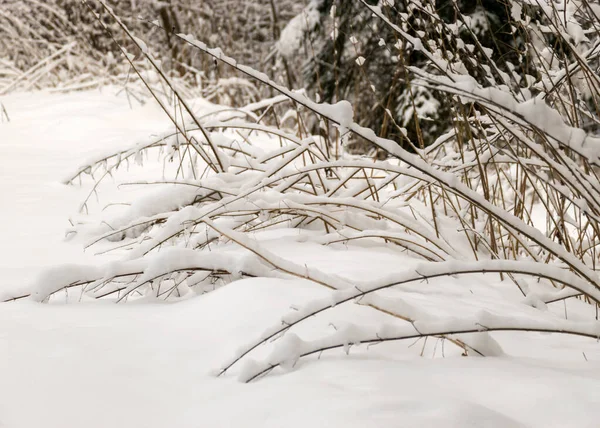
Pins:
x,y
149,364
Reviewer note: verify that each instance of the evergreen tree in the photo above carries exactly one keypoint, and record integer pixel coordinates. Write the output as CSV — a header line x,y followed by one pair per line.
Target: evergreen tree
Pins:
x,y
350,54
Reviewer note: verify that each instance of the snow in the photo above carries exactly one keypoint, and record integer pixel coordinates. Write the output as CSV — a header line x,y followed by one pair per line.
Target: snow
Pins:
x,y
152,364
294,32
516,10
147,366
49,135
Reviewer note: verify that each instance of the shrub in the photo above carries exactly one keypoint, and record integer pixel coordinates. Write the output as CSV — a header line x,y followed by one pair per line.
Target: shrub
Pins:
x,y
514,143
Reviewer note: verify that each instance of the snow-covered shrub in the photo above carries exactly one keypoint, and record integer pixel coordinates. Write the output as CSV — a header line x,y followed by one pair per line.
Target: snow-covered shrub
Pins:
x,y
511,189
62,43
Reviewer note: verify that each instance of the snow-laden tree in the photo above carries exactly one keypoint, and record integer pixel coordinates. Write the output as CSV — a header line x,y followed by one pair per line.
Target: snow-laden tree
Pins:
x,y
347,52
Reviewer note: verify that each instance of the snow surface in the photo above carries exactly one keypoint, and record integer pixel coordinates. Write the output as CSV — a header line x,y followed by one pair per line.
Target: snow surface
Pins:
x,y
149,364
